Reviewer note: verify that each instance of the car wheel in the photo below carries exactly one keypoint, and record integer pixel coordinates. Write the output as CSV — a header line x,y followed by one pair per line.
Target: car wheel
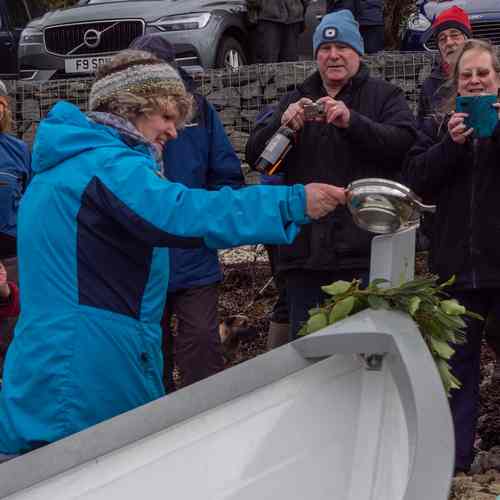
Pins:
x,y
230,54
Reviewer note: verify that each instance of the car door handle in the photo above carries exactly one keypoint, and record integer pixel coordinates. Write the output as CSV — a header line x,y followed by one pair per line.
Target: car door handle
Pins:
x,y
7,43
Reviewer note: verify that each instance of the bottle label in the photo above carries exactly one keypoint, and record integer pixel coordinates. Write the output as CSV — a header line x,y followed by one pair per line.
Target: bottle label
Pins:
x,y
275,148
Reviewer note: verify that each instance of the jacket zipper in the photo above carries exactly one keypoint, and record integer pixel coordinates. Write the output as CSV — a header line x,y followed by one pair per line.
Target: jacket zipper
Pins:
x,y
475,149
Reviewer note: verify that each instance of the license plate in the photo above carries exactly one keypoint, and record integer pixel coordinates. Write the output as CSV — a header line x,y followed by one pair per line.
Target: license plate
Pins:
x,y
84,64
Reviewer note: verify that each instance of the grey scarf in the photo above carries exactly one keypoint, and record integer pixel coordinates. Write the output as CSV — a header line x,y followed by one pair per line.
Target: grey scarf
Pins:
x,y
130,135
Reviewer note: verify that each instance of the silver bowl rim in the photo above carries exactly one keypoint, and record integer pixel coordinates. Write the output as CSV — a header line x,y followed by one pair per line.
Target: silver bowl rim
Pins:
x,y
373,183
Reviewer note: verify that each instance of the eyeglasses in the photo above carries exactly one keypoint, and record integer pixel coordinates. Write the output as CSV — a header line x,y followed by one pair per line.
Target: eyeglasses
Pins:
x,y
454,37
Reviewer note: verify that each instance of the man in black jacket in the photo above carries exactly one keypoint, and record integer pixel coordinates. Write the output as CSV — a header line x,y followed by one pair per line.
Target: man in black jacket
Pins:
x,y
450,29
370,16
278,26
366,131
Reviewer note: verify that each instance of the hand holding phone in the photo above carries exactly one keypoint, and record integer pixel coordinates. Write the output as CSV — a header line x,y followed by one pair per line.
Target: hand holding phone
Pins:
x,y
482,116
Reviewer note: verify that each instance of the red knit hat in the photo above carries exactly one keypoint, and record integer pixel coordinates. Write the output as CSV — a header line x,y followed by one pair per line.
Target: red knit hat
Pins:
x,y
455,17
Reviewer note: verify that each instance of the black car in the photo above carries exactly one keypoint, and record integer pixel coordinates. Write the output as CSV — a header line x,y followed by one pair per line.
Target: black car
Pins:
x,y
14,15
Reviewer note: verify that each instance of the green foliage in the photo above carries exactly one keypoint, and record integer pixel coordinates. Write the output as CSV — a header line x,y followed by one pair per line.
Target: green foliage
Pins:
x,y
439,318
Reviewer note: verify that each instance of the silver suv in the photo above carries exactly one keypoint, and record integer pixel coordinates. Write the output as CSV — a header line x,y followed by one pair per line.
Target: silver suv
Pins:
x,y
73,42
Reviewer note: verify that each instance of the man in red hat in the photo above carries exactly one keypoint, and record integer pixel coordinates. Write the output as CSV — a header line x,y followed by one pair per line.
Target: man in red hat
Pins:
x,y
450,29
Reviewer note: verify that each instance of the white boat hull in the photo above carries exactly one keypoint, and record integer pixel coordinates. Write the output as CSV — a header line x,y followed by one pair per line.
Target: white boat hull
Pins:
x,y
306,421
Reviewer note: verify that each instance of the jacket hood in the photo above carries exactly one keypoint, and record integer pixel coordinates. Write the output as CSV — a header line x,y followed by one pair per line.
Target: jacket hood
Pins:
x,y
66,132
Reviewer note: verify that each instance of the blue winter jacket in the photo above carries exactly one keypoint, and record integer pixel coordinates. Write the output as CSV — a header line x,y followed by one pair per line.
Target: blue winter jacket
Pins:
x,y
15,172
93,230
201,157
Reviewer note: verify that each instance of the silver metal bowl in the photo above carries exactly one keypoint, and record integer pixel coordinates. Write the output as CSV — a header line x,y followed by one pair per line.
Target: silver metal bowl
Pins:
x,y
382,206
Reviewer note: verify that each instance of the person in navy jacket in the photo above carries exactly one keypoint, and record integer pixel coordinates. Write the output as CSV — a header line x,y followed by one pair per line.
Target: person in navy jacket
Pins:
x,y
15,173
200,157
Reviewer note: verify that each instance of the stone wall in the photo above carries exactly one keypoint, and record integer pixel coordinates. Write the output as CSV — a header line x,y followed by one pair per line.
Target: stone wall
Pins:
x,y
238,96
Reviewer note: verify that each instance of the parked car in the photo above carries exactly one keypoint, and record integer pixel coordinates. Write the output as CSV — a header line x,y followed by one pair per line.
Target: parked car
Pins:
x,y
14,15
484,16
74,41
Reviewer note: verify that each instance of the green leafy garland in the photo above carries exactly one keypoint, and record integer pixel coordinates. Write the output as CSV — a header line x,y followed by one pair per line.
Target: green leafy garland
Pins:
x,y
439,318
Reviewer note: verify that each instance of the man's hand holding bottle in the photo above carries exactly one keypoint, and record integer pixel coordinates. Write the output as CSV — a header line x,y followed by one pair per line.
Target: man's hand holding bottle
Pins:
x,y
294,115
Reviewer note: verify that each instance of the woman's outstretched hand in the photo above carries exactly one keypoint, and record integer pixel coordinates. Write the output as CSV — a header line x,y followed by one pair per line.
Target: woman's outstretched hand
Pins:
x,y
323,199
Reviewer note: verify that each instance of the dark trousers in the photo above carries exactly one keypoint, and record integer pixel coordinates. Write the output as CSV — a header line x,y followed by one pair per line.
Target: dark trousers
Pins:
x,y
304,292
373,36
195,346
276,42
465,364
280,310
492,329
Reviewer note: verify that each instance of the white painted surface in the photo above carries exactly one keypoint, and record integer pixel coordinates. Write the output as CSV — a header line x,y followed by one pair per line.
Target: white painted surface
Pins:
x,y
393,256
295,439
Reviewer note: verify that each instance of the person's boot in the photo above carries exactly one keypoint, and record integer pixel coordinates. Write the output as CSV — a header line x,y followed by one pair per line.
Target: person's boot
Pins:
x,y
277,334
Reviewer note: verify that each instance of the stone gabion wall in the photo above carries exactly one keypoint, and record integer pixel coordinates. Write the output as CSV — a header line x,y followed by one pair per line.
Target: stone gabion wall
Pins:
x,y
238,96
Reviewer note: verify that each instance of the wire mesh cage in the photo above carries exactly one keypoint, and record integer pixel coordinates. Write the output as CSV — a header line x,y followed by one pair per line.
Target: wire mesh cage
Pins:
x,y
239,96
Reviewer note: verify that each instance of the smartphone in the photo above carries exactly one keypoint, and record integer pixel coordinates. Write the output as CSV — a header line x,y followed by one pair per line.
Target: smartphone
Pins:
x,y
483,117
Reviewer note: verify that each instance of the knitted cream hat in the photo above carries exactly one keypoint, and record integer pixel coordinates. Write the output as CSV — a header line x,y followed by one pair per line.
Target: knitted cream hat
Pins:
x,y
143,75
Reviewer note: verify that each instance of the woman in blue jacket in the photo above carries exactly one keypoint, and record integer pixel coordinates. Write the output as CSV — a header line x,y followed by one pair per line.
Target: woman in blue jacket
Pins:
x,y
94,229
